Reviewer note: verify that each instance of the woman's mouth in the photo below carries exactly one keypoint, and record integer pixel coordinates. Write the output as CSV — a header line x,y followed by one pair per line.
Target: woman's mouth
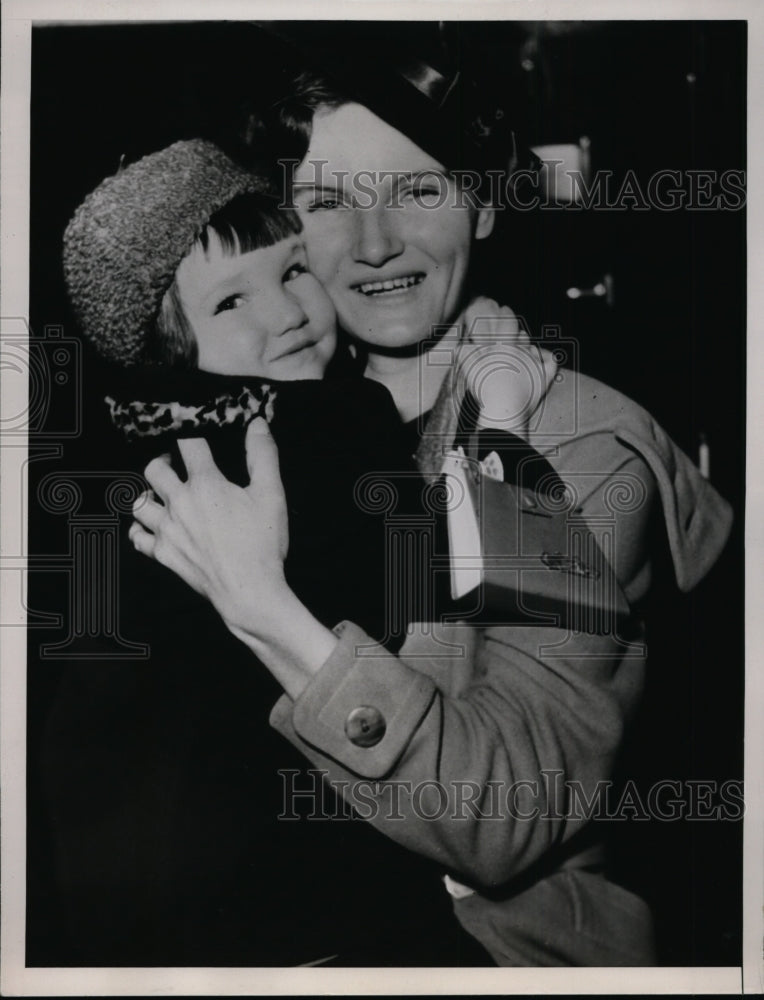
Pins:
x,y
390,285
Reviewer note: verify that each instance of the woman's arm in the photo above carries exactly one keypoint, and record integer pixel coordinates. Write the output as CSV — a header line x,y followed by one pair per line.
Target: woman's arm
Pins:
x,y
522,715
493,751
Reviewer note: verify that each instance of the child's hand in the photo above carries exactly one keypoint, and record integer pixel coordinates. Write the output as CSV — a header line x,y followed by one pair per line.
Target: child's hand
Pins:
x,y
484,321
500,368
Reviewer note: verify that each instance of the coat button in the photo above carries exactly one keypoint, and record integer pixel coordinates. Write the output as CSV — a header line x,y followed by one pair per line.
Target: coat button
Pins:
x,y
365,726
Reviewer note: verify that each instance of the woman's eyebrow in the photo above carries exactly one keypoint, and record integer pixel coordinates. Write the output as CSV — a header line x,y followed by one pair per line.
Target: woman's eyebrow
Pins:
x,y
430,172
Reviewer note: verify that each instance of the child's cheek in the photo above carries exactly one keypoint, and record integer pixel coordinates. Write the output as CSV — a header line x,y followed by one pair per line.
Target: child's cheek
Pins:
x,y
330,312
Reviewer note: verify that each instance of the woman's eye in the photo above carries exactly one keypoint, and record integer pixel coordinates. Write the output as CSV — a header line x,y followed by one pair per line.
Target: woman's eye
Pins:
x,y
230,302
294,272
424,193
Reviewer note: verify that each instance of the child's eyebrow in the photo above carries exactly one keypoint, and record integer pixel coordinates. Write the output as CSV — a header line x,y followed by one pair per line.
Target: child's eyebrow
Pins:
x,y
312,186
222,288
234,282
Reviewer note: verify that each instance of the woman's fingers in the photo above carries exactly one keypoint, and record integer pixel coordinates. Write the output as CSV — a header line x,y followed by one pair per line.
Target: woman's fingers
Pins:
x,y
148,512
160,476
143,541
262,455
197,459
265,490
196,456
162,550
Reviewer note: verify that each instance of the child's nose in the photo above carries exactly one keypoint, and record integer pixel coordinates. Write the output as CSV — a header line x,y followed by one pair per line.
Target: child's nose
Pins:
x,y
284,312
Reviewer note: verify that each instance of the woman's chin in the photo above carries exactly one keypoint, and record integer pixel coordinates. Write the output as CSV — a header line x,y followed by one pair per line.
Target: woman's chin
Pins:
x,y
394,328
391,337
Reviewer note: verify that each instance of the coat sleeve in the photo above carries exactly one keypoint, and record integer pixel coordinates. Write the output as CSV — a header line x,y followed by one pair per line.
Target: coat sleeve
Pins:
x,y
484,745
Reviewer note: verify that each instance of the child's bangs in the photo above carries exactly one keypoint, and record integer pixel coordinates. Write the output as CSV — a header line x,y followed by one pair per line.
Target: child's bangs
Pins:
x,y
251,222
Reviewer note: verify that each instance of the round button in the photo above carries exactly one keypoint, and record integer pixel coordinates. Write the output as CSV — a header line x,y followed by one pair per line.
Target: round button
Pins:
x,y
365,726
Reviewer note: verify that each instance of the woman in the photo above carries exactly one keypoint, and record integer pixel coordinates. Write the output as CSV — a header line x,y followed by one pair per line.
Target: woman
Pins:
x,y
475,748
190,762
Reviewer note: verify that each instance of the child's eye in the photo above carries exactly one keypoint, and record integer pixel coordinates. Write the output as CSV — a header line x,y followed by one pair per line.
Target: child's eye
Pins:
x,y
230,302
294,272
326,203
311,199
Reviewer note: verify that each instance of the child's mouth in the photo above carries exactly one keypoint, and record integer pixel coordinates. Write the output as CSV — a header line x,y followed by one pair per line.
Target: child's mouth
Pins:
x,y
390,285
297,348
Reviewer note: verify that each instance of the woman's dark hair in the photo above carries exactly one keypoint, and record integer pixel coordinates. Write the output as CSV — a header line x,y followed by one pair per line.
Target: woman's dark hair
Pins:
x,y
248,222
282,131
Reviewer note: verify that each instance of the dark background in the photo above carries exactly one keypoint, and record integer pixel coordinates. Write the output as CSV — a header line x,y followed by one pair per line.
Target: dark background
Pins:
x,y
649,96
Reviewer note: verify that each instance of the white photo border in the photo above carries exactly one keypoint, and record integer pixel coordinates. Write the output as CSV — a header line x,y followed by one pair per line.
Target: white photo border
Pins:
x,y
16,980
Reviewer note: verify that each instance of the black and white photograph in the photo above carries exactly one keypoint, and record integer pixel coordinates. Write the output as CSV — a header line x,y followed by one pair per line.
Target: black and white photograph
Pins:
x,y
376,597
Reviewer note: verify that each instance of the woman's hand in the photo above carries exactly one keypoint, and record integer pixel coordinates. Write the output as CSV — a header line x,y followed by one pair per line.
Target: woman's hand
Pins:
x,y
500,368
226,542
229,543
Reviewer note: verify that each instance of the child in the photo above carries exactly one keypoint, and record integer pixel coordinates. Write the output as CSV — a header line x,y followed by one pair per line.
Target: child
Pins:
x,y
185,273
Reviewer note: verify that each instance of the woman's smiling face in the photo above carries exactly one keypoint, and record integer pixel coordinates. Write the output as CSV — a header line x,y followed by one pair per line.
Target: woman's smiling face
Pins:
x,y
388,231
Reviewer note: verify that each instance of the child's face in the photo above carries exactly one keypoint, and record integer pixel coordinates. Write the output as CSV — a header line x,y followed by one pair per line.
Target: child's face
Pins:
x,y
257,313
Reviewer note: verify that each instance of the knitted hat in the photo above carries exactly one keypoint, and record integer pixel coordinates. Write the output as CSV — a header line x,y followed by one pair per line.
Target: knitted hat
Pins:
x,y
126,240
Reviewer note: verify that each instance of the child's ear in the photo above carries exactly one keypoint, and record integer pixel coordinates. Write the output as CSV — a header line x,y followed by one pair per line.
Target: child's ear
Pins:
x,y
485,222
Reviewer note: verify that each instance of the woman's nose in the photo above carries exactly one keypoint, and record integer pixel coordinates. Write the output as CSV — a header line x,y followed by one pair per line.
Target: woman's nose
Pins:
x,y
377,238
